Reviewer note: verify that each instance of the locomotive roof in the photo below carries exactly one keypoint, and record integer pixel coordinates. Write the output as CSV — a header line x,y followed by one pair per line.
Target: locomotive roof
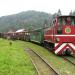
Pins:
x,y
39,29
66,16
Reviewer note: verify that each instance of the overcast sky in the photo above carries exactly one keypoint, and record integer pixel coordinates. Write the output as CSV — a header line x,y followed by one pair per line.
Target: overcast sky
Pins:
x,y
8,7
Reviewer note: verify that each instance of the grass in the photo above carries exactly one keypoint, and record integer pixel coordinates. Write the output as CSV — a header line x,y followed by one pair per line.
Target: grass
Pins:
x,y
14,60
64,67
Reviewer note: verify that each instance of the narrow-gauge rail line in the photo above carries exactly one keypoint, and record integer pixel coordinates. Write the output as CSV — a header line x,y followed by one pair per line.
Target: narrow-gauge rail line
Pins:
x,y
42,66
70,59
73,55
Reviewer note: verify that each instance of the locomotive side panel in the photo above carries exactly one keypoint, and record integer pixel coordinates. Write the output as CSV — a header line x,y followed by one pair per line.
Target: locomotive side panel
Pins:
x,y
62,35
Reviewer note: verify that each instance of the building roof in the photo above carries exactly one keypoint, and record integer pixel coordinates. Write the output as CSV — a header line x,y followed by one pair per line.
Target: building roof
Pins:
x,y
20,30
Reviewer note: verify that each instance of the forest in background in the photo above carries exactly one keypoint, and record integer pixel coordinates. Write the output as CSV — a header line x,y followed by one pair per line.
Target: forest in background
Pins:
x,y
27,20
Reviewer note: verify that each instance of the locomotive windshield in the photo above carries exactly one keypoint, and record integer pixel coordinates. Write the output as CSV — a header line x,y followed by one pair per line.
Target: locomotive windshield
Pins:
x,y
66,20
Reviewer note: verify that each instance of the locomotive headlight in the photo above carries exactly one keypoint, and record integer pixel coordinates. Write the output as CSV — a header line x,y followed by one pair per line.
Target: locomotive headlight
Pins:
x,y
57,39
68,30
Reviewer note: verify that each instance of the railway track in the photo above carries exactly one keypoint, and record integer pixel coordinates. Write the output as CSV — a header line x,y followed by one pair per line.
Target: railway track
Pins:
x,y
69,59
41,65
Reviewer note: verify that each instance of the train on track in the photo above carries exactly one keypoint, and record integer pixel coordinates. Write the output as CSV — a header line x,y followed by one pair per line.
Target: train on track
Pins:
x,y
59,37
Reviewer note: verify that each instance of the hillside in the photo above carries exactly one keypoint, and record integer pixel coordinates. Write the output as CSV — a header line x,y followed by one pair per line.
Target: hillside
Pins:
x,y
27,20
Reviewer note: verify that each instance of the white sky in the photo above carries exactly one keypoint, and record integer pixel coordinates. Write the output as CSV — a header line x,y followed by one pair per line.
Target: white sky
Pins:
x,y
8,7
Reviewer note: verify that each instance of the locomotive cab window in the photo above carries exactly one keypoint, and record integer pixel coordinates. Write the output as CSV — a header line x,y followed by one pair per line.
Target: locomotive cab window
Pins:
x,y
59,29
69,21
59,21
73,22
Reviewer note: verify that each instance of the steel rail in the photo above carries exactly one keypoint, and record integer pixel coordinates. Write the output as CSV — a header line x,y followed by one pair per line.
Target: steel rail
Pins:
x,y
69,60
45,61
